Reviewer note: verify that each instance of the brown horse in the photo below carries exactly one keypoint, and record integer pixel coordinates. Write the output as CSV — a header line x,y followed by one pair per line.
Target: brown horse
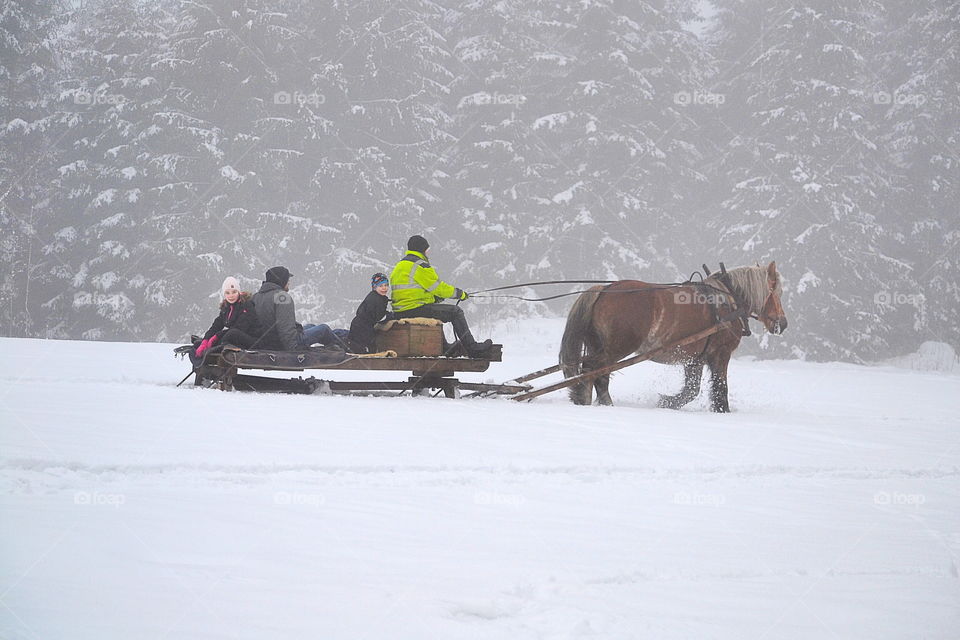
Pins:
x,y
608,323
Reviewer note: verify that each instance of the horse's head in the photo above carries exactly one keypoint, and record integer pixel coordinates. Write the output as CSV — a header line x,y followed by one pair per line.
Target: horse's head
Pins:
x,y
771,314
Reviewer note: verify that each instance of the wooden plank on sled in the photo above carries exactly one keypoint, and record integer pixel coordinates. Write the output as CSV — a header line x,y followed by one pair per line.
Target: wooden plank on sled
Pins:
x,y
450,386
245,382
646,355
301,361
417,385
269,360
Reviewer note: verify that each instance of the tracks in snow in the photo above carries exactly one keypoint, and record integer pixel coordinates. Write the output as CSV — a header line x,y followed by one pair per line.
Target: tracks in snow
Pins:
x,y
21,473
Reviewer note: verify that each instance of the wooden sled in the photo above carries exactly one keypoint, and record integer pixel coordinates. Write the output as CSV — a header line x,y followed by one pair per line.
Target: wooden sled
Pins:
x,y
415,345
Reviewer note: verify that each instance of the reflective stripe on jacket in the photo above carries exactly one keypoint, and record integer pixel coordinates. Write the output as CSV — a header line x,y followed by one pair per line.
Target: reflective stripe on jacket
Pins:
x,y
414,283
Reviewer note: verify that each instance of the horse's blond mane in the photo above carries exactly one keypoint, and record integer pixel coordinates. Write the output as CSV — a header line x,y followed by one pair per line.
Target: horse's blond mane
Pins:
x,y
750,284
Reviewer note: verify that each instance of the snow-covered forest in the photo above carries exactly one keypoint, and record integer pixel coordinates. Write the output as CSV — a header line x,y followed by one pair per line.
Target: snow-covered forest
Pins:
x,y
148,149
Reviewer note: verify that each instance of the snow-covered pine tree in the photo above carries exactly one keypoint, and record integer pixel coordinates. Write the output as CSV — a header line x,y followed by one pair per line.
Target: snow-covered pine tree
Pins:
x,y
223,207
28,149
616,117
493,168
810,195
383,70
917,93
220,195
106,93
736,36
581,148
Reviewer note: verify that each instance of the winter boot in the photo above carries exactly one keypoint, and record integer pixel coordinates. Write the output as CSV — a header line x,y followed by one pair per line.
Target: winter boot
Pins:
x,y
480,349
472,348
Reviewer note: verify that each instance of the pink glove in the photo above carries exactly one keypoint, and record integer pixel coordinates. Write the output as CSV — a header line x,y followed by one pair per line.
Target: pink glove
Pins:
x,y
206,344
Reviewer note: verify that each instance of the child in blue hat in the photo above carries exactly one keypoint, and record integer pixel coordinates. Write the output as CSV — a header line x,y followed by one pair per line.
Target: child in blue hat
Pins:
x,y
371,311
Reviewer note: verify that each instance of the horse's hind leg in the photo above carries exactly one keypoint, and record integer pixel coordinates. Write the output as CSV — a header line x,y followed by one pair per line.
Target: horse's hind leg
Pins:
x,y
581,393
692,374
602,385
594,358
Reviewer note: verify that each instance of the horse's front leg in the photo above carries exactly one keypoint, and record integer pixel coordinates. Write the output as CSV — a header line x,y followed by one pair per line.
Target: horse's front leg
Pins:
x,y
692,374
602,385
719,400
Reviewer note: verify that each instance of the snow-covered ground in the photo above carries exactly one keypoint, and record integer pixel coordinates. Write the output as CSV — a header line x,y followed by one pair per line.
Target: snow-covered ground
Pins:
x,y
827,505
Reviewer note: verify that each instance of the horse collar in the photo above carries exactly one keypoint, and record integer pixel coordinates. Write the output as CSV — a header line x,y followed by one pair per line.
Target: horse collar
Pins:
x,y
742,309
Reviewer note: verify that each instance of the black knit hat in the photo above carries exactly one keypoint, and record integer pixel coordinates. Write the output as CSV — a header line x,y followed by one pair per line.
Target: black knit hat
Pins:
x,y
417,243
278,275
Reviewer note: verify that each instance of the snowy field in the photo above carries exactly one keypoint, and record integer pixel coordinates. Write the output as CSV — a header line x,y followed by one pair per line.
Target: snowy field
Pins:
x,y
827,505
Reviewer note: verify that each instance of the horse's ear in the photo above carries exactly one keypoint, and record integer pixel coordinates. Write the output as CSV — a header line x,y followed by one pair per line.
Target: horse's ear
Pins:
x,y
772,271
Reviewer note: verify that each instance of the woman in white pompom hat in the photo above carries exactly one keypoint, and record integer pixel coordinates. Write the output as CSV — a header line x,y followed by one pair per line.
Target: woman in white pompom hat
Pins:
x,y
237,322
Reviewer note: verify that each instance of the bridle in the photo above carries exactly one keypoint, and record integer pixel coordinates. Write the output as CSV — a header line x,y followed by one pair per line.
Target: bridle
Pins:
x,y
742,309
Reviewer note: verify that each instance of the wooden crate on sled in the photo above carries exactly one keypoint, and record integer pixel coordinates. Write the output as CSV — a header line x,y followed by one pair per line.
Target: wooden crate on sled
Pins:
x,y
411,337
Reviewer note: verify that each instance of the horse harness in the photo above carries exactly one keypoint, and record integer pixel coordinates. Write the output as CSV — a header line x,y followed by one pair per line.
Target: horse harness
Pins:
x,y
740,310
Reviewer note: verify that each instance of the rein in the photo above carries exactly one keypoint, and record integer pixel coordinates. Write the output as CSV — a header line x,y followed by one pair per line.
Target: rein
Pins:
x,y
668,285
741,309
531,284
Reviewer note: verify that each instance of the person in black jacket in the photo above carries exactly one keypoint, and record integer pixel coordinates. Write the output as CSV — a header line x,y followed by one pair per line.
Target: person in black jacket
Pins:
x,y
236,323
360,339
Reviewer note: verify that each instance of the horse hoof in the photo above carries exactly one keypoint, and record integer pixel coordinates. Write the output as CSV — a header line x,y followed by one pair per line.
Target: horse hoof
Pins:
x,y
666,402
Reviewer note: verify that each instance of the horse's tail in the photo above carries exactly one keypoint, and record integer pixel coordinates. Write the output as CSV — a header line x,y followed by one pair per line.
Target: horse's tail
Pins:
x,y
577,336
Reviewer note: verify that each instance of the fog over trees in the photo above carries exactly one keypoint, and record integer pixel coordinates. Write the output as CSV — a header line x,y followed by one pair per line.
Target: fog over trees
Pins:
x,y
149,149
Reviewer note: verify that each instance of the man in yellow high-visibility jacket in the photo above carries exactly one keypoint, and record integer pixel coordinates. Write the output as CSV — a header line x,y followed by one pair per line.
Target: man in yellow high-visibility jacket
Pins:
x,y
416,289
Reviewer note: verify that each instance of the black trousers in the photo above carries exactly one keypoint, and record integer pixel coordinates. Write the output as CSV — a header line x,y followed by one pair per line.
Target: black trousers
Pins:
x,y
238,339
445,313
